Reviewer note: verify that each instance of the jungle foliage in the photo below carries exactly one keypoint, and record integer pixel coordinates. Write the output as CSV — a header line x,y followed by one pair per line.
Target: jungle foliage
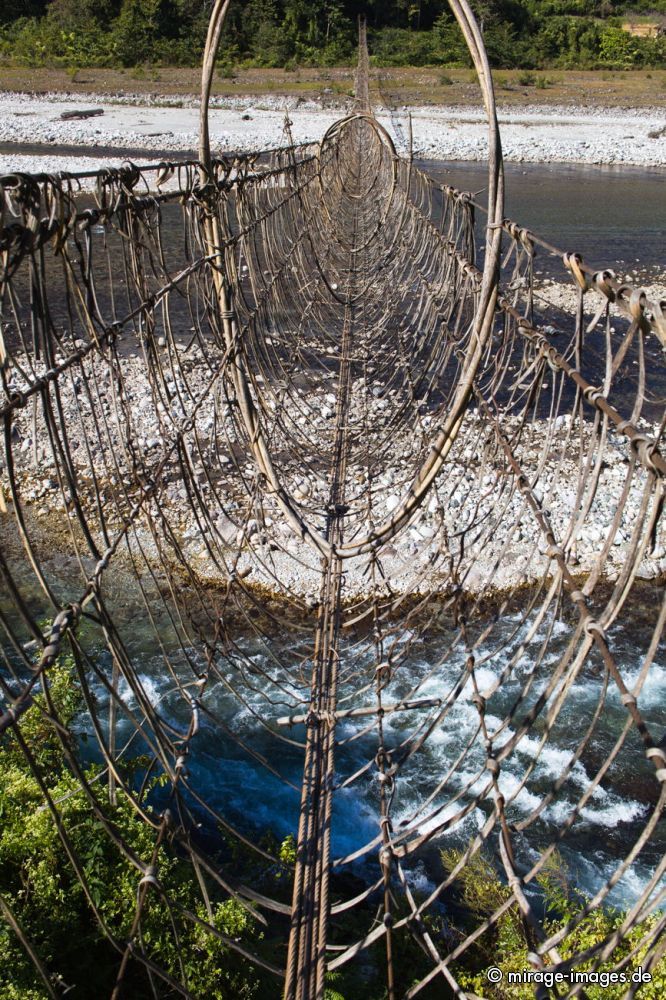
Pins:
x,y
41,891
519,33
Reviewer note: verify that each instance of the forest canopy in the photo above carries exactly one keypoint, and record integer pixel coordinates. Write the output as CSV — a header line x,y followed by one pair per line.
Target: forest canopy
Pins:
x,y
519,33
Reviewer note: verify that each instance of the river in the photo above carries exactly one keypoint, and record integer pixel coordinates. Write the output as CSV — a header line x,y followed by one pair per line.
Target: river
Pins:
x,y
615,217
612,217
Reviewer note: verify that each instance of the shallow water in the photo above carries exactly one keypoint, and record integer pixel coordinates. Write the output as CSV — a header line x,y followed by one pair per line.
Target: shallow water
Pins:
x,y
614,216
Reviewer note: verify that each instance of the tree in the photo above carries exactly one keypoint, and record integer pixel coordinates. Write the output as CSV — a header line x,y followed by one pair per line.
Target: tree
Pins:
x,y
322,32
450,40
14,10
83,13
618,48
142,26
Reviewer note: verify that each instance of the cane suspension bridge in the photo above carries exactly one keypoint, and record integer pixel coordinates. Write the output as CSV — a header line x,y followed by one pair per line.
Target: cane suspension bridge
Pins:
x,y
355,373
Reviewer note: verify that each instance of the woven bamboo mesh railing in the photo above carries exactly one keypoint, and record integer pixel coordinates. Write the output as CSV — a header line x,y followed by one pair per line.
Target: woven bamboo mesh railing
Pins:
x,y
273,407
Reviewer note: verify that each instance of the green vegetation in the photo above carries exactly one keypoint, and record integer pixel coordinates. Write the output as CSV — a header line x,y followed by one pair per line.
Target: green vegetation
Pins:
x,y
529,34
38,883
506,946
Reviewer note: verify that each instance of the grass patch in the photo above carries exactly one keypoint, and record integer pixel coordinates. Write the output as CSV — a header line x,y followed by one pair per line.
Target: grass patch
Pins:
x,y
402,85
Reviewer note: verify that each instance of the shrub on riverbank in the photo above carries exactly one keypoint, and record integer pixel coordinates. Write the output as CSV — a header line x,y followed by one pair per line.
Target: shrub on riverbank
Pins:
x,y
41,891
505,945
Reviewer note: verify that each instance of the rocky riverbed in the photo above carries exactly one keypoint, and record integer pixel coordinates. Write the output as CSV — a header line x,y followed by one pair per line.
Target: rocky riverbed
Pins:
x,y
140,123
475,519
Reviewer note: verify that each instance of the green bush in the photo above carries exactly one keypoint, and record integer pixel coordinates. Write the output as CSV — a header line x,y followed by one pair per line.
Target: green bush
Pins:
x,y
225,71
527,79
400,47
38,882
505,944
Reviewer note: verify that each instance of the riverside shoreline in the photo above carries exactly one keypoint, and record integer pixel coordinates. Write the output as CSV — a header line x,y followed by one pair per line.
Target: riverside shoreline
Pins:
x,y
164,125
510,553
274,559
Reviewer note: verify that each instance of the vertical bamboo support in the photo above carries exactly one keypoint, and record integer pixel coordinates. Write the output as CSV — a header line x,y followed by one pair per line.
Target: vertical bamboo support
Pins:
x,y
113,713
212,229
